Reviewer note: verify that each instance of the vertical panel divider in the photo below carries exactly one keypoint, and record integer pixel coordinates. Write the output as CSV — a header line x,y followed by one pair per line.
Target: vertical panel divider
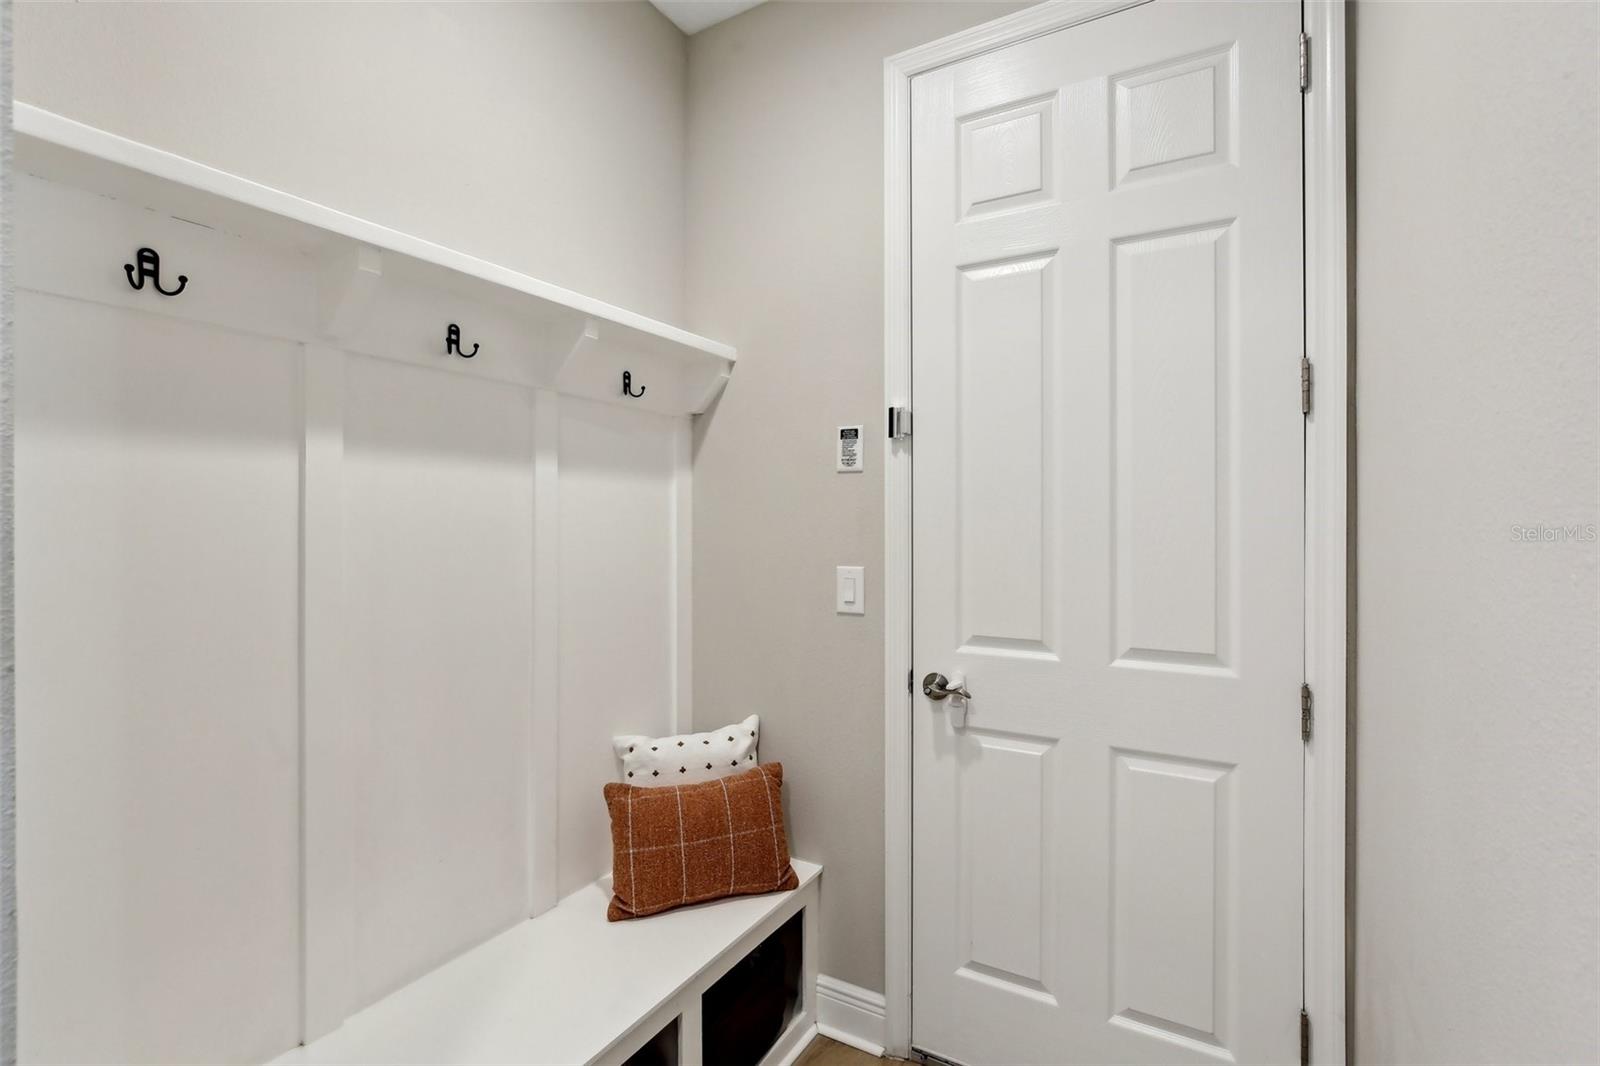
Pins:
x,y
682,620
544,794
326,757
691,1031
810,956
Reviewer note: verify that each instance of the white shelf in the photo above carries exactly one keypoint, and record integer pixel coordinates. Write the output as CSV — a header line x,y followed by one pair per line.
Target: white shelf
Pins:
x,y
581,344
567,986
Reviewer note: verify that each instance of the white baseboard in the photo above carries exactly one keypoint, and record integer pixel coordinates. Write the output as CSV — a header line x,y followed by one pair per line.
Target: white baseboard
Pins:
x,y
850,1015
797,1046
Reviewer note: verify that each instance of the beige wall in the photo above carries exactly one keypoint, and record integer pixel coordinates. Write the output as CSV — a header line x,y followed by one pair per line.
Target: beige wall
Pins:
x,y
1476,690
786,262
547,137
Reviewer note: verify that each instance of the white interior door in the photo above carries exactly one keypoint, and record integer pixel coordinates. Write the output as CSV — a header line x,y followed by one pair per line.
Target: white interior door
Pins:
x,y
1106,249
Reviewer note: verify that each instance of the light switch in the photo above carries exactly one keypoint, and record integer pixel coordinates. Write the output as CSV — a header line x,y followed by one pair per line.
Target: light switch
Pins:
x,y
851,590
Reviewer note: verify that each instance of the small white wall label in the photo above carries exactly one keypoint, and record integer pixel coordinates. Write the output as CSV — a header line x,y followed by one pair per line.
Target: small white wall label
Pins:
x,y
850,590
850,457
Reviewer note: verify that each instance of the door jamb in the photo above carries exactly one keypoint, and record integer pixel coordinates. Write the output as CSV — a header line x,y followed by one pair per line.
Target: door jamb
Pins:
x,y
1326,215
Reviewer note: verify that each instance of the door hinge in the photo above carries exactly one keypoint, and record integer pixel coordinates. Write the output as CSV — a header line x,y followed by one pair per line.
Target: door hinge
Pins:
x,y
1305,62
1305,713
1305,1038
1305,385
899,423
909,675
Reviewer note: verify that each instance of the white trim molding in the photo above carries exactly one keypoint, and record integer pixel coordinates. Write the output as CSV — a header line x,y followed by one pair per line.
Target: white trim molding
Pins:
x,y
850,1014
562,340
1327,436
544,789
1328,488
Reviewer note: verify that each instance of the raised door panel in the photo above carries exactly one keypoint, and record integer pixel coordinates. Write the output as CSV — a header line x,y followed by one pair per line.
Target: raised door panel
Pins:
x,y
1175,115
1172,376
158,703
1170,922
1005,506
1006,157
1007,840
438,570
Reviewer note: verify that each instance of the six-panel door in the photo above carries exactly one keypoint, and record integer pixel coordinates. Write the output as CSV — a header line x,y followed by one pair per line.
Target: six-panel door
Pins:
x,y
1107,505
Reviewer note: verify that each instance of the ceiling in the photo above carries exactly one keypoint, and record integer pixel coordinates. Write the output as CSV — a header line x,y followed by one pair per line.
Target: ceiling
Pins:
x,y
692,16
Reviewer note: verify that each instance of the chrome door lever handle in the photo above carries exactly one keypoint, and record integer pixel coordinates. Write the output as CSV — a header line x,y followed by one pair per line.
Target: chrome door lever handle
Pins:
x,y
937,687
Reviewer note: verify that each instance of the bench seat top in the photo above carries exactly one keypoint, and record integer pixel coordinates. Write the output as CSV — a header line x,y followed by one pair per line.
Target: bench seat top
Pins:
x,y
559,988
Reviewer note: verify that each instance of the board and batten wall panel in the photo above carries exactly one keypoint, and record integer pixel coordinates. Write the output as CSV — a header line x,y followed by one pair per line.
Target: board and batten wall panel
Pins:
x,y
271,588
619,587
438,565
454,109
157,599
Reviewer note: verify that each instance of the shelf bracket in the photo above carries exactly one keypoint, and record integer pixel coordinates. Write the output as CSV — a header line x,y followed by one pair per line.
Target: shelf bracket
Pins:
x,y
348,287
584,340
715,383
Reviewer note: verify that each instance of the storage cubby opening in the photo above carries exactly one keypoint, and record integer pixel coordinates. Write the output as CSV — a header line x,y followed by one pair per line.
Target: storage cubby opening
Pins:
x,y
745,1012
659,1050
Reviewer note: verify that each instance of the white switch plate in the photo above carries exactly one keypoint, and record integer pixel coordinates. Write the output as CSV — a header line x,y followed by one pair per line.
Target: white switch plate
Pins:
x,y
850,590
851,453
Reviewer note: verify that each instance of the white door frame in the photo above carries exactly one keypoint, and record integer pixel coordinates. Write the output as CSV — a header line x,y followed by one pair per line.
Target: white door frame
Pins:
x,y
1327,436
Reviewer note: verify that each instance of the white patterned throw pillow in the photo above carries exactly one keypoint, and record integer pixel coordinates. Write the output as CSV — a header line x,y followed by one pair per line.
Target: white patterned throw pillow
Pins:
x,y
691,757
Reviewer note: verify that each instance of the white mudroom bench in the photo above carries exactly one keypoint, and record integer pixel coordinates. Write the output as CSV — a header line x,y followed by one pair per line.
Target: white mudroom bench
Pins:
x,y
570,987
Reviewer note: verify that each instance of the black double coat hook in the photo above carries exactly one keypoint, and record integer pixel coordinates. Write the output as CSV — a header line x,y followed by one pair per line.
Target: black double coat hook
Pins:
x,y
149,266
627,385
452,343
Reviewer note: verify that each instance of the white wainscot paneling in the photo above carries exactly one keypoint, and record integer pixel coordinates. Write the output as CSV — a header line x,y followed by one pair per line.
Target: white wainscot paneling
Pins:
x,y
619,569
438,478
310,610
157,577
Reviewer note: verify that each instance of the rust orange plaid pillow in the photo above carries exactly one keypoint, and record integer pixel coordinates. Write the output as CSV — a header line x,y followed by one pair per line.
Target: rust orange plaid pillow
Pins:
x,y
691,843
